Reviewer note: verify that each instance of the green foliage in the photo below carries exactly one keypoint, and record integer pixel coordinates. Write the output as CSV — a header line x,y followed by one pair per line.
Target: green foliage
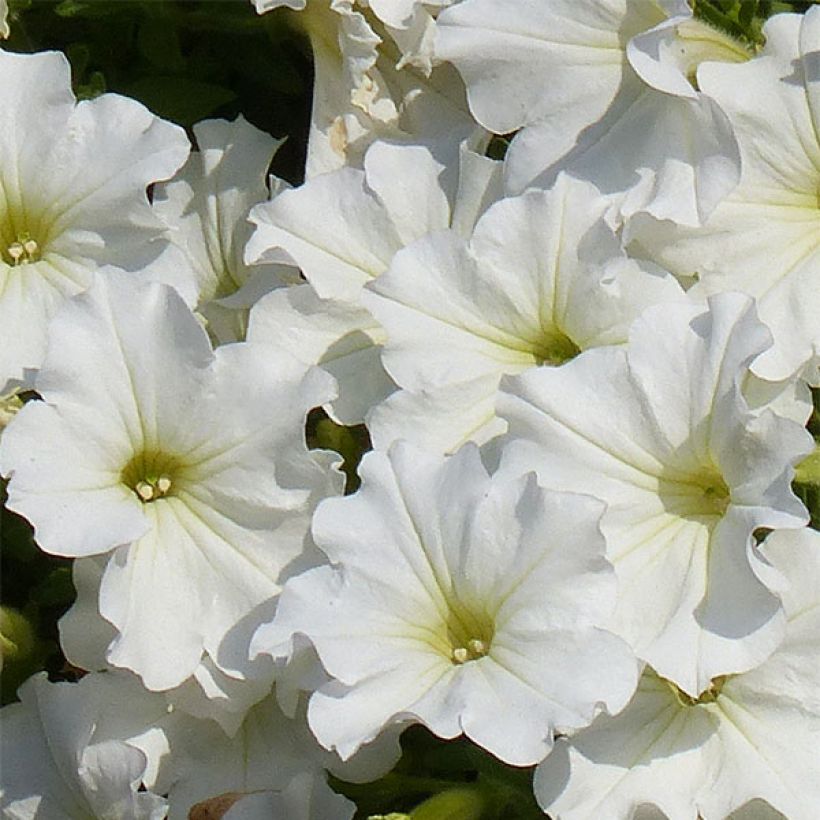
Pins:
x,y
435,776
807,475
744,18
35,589
186,60
350,442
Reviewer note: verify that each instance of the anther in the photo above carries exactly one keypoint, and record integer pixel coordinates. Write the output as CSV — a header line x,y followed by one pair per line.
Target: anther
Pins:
x,y
460,655
145,490
477,648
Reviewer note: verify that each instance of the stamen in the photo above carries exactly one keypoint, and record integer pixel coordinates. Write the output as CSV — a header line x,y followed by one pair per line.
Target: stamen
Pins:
x,y
152,489
145,491
474,650
23,250
477,648
460,655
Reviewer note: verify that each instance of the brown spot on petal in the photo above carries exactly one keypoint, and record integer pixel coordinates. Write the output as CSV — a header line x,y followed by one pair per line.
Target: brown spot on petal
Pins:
x,y
214,808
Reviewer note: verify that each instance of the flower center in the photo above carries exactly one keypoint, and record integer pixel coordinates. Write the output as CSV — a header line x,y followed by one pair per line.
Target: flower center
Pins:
x,y
554,348
469,635
708,695
698,496
151,475
698,42
22,250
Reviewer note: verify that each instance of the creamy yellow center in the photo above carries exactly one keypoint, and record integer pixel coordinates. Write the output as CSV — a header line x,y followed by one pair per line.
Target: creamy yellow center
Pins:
x,y
708,695
700,495
151,475
469,634
554,348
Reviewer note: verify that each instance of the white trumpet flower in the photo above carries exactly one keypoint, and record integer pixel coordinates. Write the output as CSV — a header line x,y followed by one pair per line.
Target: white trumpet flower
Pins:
x,y
746,743
189,467
661,432
454,600
73,180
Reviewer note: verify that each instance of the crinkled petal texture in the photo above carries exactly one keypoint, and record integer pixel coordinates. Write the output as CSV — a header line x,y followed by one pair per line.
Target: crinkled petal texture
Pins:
x,y
265,754
343,338
51,767
73,181
343,230
141,448
750,744
207,206
541,278
631,123
306,797
466,604
764,238
660,431
270,754
364,89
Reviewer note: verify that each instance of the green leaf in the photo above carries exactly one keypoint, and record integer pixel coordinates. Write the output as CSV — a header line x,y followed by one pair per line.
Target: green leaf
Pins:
x,y
807,484
460,803
180,99
158,42
350,442
91,8
95,86
55,590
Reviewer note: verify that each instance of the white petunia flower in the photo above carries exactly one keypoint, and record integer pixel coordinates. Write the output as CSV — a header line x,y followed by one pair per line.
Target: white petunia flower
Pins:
x,y
764,238
304,798
541,278
53,768
4,19
73,179
661,432
343,230
464,603
748,740
342,337
411,24
188,466
208,693
364,89
272,755
206,207
602,89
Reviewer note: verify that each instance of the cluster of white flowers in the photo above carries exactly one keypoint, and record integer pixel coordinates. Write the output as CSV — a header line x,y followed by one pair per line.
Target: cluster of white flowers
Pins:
x,y
585,371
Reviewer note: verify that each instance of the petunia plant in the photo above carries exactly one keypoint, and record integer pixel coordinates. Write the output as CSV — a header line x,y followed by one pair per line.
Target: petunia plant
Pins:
x,y
409,409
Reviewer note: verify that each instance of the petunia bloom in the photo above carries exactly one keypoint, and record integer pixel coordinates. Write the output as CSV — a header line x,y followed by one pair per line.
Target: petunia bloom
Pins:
x,y
747,742
661,432
73,180
458,601
188,466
